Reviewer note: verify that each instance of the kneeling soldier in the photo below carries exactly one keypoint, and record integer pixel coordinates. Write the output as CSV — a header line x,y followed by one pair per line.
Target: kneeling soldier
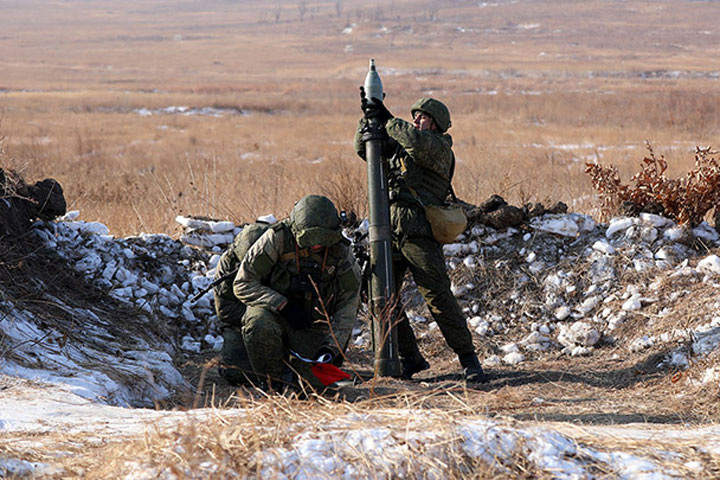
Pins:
x,y
301,286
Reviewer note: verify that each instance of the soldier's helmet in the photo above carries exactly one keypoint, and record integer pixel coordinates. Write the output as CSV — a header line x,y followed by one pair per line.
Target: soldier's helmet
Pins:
x,y
314,220
436,109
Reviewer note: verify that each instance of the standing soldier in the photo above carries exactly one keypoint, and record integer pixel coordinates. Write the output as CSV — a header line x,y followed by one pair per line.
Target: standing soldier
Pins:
x,y
420,165
298,269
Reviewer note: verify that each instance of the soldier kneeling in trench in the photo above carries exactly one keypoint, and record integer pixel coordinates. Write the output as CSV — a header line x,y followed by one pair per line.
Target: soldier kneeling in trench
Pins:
x,y
299,286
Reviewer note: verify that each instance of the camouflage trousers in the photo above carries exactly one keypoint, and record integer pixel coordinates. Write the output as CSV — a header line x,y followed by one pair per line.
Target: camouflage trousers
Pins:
x,y
268,339
235,365
425,260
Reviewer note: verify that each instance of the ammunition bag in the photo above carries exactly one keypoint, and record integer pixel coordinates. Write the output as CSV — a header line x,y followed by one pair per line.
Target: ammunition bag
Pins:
x,y
446,221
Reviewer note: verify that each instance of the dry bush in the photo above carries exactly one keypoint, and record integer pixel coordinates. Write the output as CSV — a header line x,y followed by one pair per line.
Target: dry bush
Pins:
x,y
685,200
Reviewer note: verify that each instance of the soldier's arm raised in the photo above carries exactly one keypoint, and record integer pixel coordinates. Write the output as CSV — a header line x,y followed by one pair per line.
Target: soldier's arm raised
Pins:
x,y
428,149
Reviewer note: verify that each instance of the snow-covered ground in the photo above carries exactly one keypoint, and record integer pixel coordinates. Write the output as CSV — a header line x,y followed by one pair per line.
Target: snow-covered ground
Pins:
x,y
564,298
388,441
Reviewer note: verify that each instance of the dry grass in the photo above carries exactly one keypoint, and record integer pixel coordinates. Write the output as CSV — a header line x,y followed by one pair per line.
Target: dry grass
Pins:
x,y
251,438
139,172
534,94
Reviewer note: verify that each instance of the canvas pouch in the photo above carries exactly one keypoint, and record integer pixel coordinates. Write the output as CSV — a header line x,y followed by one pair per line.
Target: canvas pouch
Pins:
x,y
446,221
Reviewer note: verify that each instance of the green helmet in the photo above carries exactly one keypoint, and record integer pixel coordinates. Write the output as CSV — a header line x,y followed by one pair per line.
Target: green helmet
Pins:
x,y
314,220
436,109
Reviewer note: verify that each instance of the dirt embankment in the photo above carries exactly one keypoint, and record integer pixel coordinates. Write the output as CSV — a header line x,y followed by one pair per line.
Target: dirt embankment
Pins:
x,y
22,203
54,318
575,321
509,300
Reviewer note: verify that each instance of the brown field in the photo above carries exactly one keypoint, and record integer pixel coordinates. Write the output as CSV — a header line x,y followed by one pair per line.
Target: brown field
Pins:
x,y
535,90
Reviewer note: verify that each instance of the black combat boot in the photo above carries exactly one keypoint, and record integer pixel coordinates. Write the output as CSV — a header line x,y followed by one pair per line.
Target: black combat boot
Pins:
x,y
413,365
284,384
234,376
472,370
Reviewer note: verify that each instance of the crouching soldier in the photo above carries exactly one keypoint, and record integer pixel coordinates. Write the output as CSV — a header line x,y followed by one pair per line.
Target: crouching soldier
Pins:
x,y
301,287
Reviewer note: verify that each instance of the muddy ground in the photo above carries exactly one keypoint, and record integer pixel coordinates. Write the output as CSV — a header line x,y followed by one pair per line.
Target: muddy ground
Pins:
x,y
599,390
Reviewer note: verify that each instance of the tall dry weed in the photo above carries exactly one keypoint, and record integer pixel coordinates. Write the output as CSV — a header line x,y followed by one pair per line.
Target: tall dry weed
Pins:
x,y
345,183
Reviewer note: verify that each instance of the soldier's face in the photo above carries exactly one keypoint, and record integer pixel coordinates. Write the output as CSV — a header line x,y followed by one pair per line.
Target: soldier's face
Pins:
x,y
423,121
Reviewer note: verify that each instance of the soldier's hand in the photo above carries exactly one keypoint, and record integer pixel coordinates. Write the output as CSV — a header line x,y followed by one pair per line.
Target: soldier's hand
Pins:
x,y
363,99
296,315
378,110
374,108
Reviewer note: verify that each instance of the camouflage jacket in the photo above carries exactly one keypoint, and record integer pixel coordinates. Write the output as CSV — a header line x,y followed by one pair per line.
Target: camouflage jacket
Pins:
x,y
228,308
421,160
275,270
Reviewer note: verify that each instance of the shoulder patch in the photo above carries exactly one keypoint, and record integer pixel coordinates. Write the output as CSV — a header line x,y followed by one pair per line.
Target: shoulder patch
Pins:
x,y
263,264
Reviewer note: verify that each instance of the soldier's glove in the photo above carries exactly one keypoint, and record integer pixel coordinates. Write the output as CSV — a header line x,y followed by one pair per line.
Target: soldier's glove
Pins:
x,y
375,108
296,316
325,355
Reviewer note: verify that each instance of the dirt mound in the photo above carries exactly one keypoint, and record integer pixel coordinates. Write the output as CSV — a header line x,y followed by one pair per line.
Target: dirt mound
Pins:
x,y
564,312
24,267
57,322
22,203
495,212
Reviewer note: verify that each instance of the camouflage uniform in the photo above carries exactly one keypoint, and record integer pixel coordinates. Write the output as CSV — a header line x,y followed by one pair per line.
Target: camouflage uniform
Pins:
x,y
422,160
276,271
235,366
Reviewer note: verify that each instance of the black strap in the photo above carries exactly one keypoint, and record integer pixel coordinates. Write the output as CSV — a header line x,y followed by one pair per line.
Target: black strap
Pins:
x,y
452,172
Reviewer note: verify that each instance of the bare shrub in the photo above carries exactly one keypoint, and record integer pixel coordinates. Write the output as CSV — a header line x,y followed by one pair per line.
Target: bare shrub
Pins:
x,y
685,200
